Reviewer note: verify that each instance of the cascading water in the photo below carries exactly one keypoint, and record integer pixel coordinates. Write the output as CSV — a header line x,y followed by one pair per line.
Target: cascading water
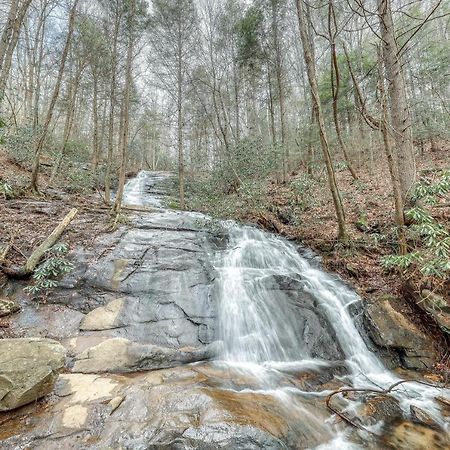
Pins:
x,y
274,335
261,334
136,189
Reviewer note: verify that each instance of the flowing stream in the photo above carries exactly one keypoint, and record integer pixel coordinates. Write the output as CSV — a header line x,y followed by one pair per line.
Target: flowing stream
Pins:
x,y
261,335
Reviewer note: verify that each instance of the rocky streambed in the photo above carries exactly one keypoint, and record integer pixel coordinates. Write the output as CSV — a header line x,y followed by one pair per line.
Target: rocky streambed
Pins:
x,y
165,349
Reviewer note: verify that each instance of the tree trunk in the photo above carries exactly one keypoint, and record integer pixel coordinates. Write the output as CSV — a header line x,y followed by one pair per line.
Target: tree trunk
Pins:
x,y
280,88
393,167
8,30
335,85
180,115
40,34
126,109
62,64
112,103
310,152
311,70
400,115
13,36
95,141
73,89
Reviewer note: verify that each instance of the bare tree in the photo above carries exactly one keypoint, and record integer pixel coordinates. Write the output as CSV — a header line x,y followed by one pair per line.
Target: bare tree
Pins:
x,y
400,118
311,70
54,98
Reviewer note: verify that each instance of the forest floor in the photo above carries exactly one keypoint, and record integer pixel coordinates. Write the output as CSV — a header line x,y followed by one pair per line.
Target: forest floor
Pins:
x,y
26,219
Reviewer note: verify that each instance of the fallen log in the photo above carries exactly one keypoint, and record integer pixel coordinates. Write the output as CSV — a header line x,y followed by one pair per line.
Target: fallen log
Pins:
x,y
27,269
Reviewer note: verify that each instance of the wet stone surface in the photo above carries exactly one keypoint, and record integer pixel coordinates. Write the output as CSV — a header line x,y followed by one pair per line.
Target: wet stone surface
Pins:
x,y
155,283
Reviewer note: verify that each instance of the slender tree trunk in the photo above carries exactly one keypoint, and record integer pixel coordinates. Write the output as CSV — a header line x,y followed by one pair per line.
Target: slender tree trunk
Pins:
x,y
310,67
271,109
280,88
180,115
382,124
112,103
37,88
95,140
236,102
8,30
335,85
29,76
13,36
126,108
400,115
392,165
48,118
310,153
73,90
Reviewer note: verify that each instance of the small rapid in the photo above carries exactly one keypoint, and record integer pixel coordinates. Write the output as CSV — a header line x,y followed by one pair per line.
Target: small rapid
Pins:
x,y
260,330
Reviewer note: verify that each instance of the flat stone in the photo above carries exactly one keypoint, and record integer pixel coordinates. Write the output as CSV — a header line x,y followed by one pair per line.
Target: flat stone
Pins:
x,y
410,436
29,368
420,416
121,355
85,388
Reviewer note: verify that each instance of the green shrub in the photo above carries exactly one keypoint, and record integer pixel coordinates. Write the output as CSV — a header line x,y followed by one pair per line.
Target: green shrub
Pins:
x,y
6,190
20,145
80,180
429,237
45,277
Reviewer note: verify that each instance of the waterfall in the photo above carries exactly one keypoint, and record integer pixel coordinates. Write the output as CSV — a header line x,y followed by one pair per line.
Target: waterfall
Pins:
x,y
259,333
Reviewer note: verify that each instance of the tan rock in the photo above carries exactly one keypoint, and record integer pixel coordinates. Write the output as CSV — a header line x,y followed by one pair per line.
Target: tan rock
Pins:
x,y
391,329
122,355
7,307
108,356
103,318
116,402
83,388
75,416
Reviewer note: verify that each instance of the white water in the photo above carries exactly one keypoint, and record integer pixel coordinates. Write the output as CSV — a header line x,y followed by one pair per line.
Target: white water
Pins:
x,y
259,335
136,190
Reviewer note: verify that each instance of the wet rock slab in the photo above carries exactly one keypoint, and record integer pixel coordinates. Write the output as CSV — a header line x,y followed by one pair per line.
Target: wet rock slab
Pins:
x,y
176,408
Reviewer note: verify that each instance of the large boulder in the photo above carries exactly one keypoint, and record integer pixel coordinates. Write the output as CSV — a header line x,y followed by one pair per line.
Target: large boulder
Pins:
x,y
28,370
391,329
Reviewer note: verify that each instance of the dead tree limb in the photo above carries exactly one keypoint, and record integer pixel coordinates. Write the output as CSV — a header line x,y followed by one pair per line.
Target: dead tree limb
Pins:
x,y
33,260
386,391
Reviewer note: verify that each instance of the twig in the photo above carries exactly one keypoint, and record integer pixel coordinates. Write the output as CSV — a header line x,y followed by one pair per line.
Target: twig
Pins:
x,y
376,391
